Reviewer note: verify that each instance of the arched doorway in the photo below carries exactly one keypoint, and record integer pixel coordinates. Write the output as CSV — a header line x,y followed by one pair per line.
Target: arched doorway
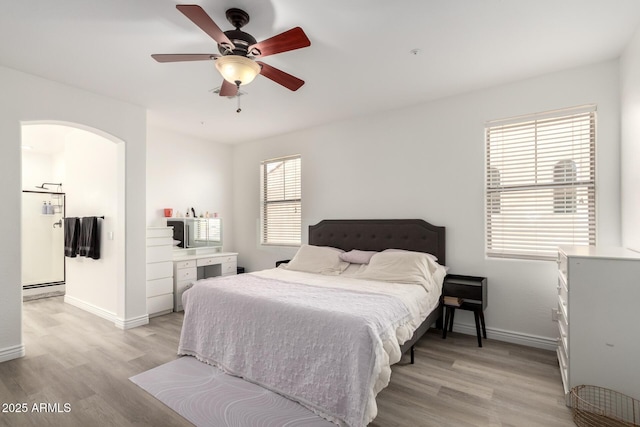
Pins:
x,y
89,164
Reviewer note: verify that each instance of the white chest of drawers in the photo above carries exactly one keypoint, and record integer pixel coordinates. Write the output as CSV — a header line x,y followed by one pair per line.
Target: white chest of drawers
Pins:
x,y
189,268
159,271
598,318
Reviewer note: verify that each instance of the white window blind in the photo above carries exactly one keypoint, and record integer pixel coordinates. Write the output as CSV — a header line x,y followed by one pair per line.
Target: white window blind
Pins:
x,y
281,196
540,183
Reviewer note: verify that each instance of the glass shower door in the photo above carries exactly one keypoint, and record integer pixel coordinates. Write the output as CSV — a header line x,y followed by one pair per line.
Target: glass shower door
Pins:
x,y
42,239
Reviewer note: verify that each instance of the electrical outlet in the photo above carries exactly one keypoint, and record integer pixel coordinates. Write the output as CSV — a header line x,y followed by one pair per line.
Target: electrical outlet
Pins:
x,y
554,314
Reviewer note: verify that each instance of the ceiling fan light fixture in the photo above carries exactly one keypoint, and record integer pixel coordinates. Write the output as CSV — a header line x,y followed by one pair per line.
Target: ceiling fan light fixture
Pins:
x,y
235,68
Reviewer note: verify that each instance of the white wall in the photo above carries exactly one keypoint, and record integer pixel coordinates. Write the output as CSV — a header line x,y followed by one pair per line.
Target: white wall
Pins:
x,y
185,172
37,167
91,187
428,162
630,172
27,98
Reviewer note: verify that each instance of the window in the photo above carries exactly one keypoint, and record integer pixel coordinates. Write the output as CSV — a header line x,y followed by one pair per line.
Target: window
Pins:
x,y
540,183
565,197
280,193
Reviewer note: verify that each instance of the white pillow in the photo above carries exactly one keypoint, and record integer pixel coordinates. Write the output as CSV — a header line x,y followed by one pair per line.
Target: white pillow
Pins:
x,y
431,256
357,257
318,259
400,267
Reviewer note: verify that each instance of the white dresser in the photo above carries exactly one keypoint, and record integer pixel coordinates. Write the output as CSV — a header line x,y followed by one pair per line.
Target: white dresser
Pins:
x,y
192,265
599,318
159,271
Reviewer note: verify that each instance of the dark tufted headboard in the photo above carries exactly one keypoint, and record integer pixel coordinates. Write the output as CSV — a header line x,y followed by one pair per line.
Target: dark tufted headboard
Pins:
x,y
379,234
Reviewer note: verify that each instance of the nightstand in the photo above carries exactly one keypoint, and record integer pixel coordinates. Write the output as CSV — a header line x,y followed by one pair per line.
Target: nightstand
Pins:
x,y
472,292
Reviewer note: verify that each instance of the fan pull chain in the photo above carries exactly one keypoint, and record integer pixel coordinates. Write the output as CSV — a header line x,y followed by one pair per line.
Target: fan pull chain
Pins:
x,y
238,96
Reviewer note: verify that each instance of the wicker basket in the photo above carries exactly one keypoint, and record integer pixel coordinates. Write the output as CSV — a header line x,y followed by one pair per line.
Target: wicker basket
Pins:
x,y
594,406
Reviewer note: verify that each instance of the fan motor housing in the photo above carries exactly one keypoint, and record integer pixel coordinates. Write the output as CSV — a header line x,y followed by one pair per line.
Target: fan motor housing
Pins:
x,y
238,18
241,41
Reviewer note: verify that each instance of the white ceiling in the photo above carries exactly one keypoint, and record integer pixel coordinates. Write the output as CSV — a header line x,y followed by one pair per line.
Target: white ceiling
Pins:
x,y
359,61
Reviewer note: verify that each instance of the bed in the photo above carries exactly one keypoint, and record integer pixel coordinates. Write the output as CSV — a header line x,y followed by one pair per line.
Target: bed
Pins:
x,y
326,340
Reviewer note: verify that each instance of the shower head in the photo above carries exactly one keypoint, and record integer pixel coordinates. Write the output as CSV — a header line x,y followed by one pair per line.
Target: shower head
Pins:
x,y
44,184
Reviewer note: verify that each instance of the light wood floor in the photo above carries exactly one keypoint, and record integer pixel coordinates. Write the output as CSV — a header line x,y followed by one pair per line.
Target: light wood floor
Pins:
x,y
76,358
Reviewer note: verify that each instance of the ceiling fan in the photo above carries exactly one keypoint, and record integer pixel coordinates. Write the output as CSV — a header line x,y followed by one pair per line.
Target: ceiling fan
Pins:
x,y
238,50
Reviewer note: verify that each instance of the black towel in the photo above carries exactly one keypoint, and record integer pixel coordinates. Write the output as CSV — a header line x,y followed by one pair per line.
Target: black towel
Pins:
x,y
71,233
89,240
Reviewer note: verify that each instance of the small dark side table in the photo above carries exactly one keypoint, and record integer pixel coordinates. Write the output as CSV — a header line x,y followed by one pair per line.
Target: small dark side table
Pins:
x,y
473,292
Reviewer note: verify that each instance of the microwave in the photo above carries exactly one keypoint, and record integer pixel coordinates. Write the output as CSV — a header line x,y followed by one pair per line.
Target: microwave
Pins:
x,y
196,232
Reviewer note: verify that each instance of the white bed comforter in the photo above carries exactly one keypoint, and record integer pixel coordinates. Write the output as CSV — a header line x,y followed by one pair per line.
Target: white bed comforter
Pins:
x,y
326,342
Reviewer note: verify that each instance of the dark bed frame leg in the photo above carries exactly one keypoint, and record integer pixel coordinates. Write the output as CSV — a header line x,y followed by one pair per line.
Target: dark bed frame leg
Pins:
x,y
412,356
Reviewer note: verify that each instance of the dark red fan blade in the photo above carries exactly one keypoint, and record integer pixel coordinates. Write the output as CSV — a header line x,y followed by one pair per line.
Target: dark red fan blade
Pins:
x,y
280,77
178,57
199,17
293,39
228,89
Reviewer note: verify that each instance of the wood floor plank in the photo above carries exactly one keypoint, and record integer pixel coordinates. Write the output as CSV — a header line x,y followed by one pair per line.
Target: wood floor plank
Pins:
x,y
77,358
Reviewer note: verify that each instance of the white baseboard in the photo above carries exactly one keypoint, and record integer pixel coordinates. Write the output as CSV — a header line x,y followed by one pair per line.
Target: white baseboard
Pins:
x,y
133,322
100,312
510,336
10,353
112,317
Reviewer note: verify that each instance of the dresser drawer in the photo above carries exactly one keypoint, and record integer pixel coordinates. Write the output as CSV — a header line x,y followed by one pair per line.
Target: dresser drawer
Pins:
x,y
177,301
208,261
185,264
180,288
159,287
226,259
563,312
562,267
216,260
563,335
563,289
155,232
158,270
159,253
229,268
564,369
563,350
160,303
160,241
463,290
186,274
